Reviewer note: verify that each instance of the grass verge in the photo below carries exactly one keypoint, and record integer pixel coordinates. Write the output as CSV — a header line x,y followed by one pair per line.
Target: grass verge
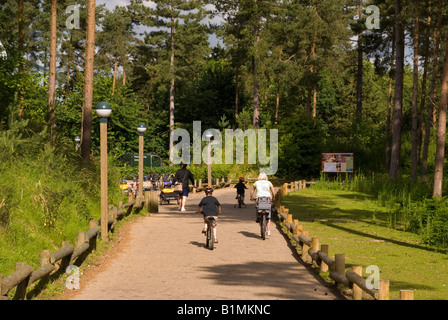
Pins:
x,y
354,223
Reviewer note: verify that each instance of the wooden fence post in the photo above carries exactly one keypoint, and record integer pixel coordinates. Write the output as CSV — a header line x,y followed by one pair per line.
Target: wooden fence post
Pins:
x,y
357,291
383,291
406,294
339,263
20,293
92,241
323,265
315,247
305,255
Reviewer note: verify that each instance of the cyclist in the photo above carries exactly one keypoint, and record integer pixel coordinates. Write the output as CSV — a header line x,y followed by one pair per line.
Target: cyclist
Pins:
x,y
240,189
210,207
263,188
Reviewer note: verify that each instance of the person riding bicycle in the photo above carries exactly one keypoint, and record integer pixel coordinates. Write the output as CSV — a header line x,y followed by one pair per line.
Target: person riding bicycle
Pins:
x,y
240,189
263,188
210,207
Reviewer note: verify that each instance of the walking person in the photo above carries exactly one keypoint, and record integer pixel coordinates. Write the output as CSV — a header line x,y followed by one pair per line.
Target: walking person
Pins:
x,y
184,176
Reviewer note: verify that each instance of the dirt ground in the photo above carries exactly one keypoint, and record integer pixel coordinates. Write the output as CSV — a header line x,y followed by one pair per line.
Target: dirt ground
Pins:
x,y
163,257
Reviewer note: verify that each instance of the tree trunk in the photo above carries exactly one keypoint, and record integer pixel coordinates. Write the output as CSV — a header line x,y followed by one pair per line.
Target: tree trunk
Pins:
x,y
115,76
389,111
359,75
237,90
398,99
414,159
313,57
171,145
52,73
423,98
256,104
86,142
21,51
441,131
429,120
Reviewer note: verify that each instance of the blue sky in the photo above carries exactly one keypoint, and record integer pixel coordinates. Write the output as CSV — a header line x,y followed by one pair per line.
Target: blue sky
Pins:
x,y
111,4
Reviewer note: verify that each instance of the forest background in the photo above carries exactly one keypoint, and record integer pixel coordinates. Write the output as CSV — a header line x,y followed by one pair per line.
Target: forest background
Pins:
x,y
312,69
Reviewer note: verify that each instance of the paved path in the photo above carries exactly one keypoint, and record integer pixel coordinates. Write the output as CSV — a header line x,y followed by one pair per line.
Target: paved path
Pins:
x,y
163,257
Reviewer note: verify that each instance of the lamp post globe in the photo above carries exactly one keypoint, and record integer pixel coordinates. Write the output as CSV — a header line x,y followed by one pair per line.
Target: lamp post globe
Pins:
x,y
103,109
141,128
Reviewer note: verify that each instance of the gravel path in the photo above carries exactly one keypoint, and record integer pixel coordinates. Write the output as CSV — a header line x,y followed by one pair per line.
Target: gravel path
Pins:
x,y
163,257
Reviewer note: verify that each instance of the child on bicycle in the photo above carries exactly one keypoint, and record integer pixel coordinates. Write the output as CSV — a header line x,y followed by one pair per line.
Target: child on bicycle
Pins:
x,y
210,207
240,189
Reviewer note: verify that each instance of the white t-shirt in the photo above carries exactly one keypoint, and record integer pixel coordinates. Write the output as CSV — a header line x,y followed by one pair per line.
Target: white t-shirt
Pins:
x,y
263,188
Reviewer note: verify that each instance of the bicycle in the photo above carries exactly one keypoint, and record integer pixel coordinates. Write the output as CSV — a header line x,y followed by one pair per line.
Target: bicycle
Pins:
x,y
264,206
240,198
210,233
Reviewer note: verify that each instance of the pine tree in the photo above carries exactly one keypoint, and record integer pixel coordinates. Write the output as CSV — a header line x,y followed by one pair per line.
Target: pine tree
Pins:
x,y
86,128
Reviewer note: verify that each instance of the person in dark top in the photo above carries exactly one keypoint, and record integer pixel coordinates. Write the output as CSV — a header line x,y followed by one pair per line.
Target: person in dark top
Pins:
x,y
240,189
210,207
183,175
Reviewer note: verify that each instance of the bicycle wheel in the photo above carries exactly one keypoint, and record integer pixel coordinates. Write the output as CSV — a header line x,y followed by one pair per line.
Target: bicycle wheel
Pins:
x,y
210,238
207,238
263,224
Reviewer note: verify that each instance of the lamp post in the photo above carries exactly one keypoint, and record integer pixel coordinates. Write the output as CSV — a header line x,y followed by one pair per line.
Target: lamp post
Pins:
x,y
78,142
103,110
141,128
208,135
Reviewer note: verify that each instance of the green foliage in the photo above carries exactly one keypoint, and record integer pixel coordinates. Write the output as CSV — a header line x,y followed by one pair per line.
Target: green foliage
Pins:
x,y
45,196
300,146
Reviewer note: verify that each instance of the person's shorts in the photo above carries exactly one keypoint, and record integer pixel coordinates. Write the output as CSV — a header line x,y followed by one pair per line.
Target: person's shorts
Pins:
x,y
185,191
206,218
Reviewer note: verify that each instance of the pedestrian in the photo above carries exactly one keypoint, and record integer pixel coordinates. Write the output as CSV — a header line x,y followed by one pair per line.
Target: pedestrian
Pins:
x,y
184,176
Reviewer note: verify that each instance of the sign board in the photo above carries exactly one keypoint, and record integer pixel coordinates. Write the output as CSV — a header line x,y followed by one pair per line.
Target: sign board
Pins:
x,y
337,162
149,160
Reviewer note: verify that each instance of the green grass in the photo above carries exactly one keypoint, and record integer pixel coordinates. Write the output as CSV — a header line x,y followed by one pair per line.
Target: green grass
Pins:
x,y
46,198
354,223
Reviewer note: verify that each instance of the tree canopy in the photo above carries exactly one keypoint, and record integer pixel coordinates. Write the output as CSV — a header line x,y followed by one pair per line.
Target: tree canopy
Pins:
x,y
315,70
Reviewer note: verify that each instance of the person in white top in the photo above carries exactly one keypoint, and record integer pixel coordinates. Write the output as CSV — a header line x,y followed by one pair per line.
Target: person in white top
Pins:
x,y
263,188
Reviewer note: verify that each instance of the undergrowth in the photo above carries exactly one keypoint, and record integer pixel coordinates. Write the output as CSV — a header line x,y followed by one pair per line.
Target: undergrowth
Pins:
x,y
46,196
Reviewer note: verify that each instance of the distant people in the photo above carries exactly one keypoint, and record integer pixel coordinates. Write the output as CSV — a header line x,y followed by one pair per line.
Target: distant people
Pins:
x,y
183,176
240,189
262,188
